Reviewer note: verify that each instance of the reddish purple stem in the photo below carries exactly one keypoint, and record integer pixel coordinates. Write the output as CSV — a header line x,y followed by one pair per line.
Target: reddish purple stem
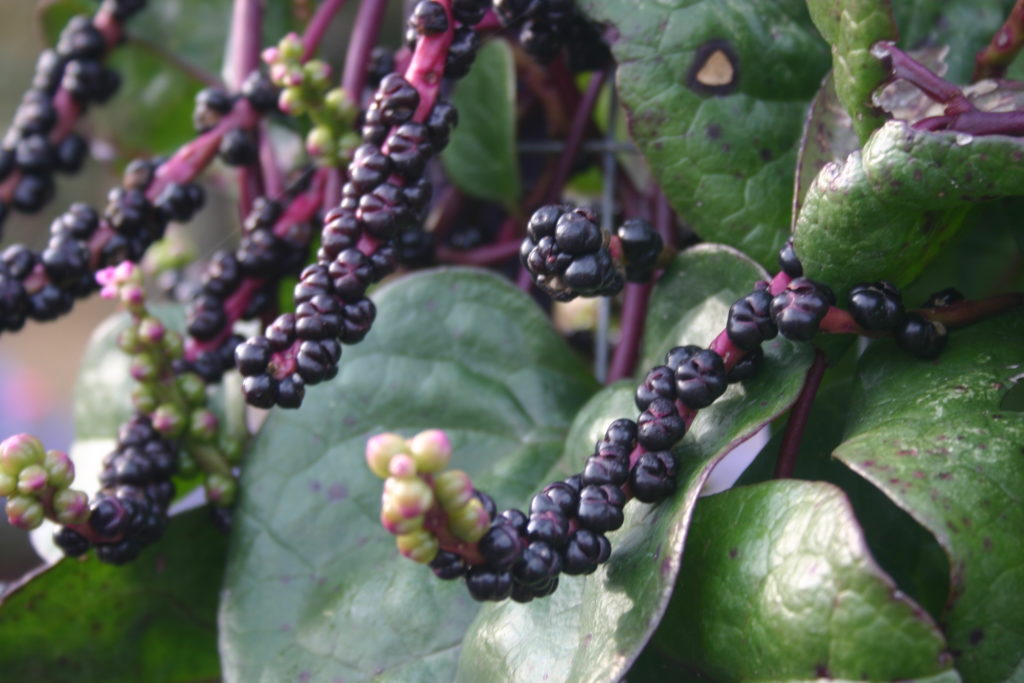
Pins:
x,y
317,26
364,35
634,311
246,38
797,423
577,131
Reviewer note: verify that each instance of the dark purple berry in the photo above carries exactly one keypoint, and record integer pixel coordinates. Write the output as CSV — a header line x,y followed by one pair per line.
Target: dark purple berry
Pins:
x,y
485,584
788,261
660,427
876,306
653,477
750,320
700,379
584,552
922,338
799,309
601,508
660,382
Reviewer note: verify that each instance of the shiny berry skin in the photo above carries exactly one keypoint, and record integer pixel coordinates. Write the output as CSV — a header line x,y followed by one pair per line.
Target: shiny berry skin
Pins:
x,y
943,298
641,246
622,431
538,563
461,52
428,18
584,552
660,382
485,584
550,526
750,320
501,546
577,233
653,477
448,566
260,390
469,12
605,469
397,100
290,391
876,306
601,508
700,379
922,338
72,543
660,427
747,367
788,261
238,148
369,168
557,496
799,309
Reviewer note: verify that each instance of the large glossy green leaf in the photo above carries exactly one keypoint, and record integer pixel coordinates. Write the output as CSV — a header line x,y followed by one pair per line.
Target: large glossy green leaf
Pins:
x,y
852,27
153,620
593,627
887,210
778,584
481,158
933,438
315,586
723,155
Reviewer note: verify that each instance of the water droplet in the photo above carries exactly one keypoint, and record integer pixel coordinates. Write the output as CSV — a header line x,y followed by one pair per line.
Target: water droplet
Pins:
x,y
964,139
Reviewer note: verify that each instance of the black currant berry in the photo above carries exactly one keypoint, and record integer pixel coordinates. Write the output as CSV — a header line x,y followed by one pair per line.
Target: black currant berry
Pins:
x,y
799,309
922,338
750,320
876,306
660,426
700,378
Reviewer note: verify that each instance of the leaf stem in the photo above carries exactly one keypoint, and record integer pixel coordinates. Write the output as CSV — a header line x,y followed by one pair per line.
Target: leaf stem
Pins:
x,y
992,60
797,423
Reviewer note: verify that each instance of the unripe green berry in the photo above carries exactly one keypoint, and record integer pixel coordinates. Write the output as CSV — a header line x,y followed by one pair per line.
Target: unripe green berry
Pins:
x,y
419,546
470,522
453,489
151,331
144,368
392,520
71,507
340,105
402,466
289,48
144,398
379,450
431,450
192,388
220,489
168,420
60,470
203,426
290,101
24,512
172,345
20,451
128,340
320,142
8,484
411,497
32,480
318,73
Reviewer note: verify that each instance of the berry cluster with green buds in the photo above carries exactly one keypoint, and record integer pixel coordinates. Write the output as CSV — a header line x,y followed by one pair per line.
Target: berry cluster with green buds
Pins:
x,y
428,508
174,402
37,484
306,89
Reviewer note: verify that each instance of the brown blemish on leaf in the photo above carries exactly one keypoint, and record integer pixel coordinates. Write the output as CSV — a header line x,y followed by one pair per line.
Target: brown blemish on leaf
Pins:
x,y
976,636
714,131
715,69
733,552
945,475
986,543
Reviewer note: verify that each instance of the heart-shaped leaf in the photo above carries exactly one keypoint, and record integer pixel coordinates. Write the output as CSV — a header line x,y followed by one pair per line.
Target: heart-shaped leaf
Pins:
x,y
153,620
481,157
315,586
593,627
933,438
788,562
716,101
887,210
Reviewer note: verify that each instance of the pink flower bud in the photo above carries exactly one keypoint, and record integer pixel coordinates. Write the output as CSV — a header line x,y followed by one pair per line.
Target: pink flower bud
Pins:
x,y
24,512
418,546
72,507
379,450
19,451
431,450
32,480
410,497
402,466
453,489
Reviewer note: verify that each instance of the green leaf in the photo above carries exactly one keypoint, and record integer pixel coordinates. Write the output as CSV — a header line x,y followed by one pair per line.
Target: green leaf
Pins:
x,y
725,155
778,583
932,437
481,158
153,620
593,627
828,136
852,27
887,210
314,583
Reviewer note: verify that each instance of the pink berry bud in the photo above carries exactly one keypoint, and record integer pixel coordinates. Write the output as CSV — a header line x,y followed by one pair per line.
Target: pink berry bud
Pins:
x,y
470,522
270,55
24,512
411,497
453,489
32,480
72,507
392,520
220,489
133,296
167,420
19,451
8,484
203,425
379,450
418,546
431,450
151,330
59,468
402,466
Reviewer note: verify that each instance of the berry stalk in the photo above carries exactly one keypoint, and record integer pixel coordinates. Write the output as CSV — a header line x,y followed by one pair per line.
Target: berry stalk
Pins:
x,y
798,418
992,60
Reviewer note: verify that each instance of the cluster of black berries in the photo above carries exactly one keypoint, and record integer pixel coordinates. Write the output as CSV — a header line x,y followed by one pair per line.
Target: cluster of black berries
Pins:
x,y
546,26
263,257
76,64
238,146
429,18
799,309
130,512
382,208
566,253
43,285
